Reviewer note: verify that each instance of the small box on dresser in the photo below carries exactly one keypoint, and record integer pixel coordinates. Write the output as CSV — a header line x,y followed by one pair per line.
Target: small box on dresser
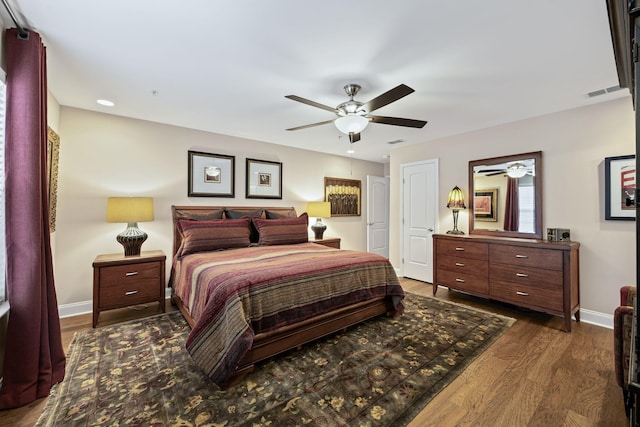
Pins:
x,y
120,281
536,274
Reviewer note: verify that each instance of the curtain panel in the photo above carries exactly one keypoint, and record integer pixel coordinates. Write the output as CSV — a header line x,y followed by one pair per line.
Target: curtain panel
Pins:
x,y
512,206
34,357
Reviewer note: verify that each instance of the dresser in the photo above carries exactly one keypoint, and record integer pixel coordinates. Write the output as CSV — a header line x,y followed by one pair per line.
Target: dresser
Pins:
x,y
536,274
121,281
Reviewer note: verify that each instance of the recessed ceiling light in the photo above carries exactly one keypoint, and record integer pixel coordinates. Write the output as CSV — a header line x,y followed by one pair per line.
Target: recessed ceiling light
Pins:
x,y
105,102
351,151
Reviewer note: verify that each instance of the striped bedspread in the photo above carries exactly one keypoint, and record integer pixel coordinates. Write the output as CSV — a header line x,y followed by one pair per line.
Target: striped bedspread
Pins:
x,y
234,294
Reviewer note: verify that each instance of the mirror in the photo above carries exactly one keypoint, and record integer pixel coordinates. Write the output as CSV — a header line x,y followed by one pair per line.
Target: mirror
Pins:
x,y
505,196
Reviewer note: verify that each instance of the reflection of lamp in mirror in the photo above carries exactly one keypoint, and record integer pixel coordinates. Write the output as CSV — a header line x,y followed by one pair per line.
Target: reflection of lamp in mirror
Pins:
x,y
319,210
455,202
516,170
130,210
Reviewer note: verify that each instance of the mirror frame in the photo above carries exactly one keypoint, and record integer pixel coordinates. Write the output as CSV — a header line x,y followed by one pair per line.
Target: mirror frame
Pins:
x,y
537,180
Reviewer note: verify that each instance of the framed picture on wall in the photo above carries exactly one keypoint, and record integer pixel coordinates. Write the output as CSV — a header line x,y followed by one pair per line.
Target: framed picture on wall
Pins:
x,y
264,179
620,188
211,175
485,205
344,196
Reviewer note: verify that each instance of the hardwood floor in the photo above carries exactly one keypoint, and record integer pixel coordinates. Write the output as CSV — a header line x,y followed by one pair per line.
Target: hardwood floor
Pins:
x,y
534,375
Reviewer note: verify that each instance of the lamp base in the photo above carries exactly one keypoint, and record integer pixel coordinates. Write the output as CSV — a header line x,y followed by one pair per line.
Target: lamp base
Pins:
x,y
318,229
132,239
455,224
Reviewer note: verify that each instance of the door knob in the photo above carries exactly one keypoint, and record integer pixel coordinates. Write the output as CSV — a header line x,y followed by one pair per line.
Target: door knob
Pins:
x,y
430,229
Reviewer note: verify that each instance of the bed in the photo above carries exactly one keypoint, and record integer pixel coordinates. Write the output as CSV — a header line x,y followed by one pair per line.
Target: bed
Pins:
x,y
251,286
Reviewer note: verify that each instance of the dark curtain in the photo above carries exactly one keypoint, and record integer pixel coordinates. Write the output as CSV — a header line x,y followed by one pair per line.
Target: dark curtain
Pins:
x,y
34,357
512,207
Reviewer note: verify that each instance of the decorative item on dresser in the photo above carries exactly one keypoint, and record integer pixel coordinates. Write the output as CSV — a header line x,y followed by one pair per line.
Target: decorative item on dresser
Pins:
x,y
120,281
536,274
455,201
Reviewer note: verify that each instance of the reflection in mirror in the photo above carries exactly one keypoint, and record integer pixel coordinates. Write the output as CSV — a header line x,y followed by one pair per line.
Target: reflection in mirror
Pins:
x,y
506,196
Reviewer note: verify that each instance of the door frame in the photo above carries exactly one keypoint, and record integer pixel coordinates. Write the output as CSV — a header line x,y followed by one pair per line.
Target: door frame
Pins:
x,y
436,227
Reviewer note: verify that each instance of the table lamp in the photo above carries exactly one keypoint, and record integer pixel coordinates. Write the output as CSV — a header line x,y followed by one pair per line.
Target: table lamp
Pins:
x,y
130,210
319,210
456,202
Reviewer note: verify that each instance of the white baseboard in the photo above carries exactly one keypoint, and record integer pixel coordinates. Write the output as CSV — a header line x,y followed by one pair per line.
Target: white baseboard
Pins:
x,y
84,307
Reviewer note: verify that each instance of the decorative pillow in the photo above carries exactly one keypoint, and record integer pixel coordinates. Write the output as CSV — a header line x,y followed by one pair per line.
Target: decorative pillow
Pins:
x,y
212,235
275,215
199,217
231,214
282,231
258,213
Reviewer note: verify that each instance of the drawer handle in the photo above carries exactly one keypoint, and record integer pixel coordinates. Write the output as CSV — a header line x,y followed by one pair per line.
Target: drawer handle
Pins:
x,y
522,256
131,293
522,275
522,294
460,280
459,249
459,264
133,273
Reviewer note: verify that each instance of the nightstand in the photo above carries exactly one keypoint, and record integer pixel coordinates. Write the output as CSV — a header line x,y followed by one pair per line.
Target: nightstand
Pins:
x,y
332,242
120,281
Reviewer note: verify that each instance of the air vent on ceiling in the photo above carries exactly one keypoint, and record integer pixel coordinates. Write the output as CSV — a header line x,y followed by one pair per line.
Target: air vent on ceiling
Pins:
x,y
397,141
603,91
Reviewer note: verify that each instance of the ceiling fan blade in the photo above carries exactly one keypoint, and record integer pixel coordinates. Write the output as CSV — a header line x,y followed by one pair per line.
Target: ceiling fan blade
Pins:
x,y
311,125
388,97
397,121
312,103
354,137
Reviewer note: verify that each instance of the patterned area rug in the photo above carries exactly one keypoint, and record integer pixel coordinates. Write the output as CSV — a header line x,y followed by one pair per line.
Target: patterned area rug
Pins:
x,y
380,373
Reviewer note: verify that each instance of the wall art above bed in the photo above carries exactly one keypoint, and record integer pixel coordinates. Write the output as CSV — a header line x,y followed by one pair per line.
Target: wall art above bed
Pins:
x,y
211,175
264,179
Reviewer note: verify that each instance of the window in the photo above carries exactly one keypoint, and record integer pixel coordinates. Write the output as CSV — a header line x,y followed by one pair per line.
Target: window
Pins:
x,y
526,200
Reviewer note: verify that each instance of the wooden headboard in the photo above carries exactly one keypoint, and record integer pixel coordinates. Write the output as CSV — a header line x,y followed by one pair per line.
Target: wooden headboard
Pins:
x,y
209,212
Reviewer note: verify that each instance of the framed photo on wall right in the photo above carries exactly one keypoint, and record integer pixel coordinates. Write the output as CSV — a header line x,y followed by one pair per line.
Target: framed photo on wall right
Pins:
x,y
620,188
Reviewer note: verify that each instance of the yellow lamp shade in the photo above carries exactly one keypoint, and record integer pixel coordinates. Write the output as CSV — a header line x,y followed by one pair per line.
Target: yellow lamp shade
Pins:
x,y
319,209
129,209
456,199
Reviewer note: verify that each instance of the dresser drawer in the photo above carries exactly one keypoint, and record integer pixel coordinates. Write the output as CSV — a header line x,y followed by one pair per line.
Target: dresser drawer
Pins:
x,y
463,281
124,294
463,265
528,296
524,256
532,277
463,248
119,274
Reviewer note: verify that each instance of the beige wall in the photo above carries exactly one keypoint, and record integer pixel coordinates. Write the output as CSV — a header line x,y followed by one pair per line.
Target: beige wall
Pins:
x,y
103,155
574,144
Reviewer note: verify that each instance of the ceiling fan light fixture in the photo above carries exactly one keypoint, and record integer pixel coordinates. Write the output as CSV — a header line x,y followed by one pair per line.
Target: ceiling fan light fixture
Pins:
x,y
351,123
517,170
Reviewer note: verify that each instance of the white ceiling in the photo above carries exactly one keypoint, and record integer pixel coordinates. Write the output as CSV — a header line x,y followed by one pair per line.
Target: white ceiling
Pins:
x,y
226,67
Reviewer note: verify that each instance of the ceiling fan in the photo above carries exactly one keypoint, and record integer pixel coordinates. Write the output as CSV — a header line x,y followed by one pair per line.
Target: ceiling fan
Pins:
x,y
514,170
353,116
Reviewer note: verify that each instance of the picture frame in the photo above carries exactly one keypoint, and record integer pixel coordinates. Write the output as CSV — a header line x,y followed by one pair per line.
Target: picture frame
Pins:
x,y
485,203
345,196
211,175
620,188
53,157
263,180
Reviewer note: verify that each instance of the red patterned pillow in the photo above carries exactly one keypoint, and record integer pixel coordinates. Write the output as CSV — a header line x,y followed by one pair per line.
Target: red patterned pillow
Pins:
x,y
212,235
282,231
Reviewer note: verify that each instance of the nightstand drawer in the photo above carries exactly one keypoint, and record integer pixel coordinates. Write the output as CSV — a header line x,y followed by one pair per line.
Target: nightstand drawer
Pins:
x,y
124,294
113,276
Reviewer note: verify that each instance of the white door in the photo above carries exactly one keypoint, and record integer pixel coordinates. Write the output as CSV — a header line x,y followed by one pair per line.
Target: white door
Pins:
x,y
378,215
419,218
